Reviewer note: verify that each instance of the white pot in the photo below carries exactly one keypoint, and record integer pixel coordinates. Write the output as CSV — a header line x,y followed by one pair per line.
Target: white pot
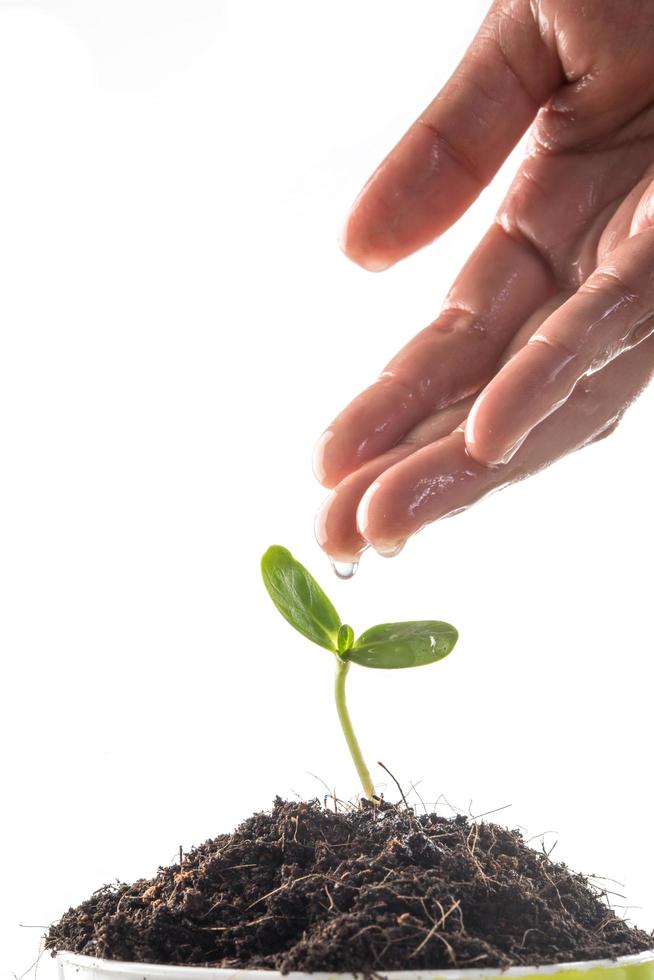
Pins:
x,y
74,967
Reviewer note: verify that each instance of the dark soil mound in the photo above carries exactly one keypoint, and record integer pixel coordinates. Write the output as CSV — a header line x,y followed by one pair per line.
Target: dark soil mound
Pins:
x,y
365,890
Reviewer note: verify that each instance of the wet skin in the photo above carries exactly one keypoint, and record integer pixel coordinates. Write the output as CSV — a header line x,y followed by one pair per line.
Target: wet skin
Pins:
x,y
547,335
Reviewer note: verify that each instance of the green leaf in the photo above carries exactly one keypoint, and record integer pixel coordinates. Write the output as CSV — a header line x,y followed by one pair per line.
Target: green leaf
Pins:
x,y
394,645
299,598
345,638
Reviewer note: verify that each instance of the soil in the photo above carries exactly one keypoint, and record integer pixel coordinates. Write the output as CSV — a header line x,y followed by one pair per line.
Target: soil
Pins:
x,y
358,890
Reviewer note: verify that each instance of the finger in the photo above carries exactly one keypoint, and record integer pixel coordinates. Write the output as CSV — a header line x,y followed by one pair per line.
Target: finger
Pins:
x,y
442,479
336,522
336,527
456,146
499,287
610,313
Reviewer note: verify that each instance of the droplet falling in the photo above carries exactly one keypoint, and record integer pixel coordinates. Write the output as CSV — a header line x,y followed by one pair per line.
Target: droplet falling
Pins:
x,y
344,569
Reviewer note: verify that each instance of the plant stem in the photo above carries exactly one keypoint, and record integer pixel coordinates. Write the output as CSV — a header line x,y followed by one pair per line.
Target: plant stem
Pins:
x,y
342,667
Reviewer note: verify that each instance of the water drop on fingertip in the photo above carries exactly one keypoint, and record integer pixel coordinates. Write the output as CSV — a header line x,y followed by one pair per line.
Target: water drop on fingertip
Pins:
x,y
344,569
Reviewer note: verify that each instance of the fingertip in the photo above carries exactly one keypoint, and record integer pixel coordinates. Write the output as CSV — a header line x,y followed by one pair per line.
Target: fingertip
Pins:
x,y
531,385
482,441
474,445
321,462
373,264
373,522
337,536
356,251
475,441
374,422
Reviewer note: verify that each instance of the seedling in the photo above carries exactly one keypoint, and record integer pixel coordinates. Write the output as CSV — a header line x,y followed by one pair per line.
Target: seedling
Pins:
x,y
305,606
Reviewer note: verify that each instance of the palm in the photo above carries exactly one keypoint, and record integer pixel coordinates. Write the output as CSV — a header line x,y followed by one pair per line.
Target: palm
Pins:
x,y
574,234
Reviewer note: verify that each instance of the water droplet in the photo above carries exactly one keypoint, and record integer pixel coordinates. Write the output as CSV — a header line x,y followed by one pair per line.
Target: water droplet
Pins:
x,y
344,569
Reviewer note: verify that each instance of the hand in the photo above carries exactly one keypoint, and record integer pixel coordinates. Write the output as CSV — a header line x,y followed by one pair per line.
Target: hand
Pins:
x,y
547,334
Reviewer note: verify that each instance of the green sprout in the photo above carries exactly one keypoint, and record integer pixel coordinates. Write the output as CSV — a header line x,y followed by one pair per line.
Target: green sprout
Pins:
x,y
305,606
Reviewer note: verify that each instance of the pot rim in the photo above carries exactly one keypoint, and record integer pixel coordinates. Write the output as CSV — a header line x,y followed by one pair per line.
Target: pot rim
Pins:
x,y
146,971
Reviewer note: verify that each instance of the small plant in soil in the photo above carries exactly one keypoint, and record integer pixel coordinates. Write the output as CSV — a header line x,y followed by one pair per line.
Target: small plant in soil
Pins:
x,y
388,646
353,889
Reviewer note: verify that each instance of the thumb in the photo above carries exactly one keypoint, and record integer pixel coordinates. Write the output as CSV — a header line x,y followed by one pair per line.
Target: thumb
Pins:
x,y
458,143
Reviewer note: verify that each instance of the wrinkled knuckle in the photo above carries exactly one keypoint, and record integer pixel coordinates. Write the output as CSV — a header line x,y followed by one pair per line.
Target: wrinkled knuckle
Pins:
x,y
508,24
466,321
457,153
609,282
550,126
553,344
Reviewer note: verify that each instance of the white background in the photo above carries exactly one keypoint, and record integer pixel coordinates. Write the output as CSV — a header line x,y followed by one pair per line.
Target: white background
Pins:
x,y
177,325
